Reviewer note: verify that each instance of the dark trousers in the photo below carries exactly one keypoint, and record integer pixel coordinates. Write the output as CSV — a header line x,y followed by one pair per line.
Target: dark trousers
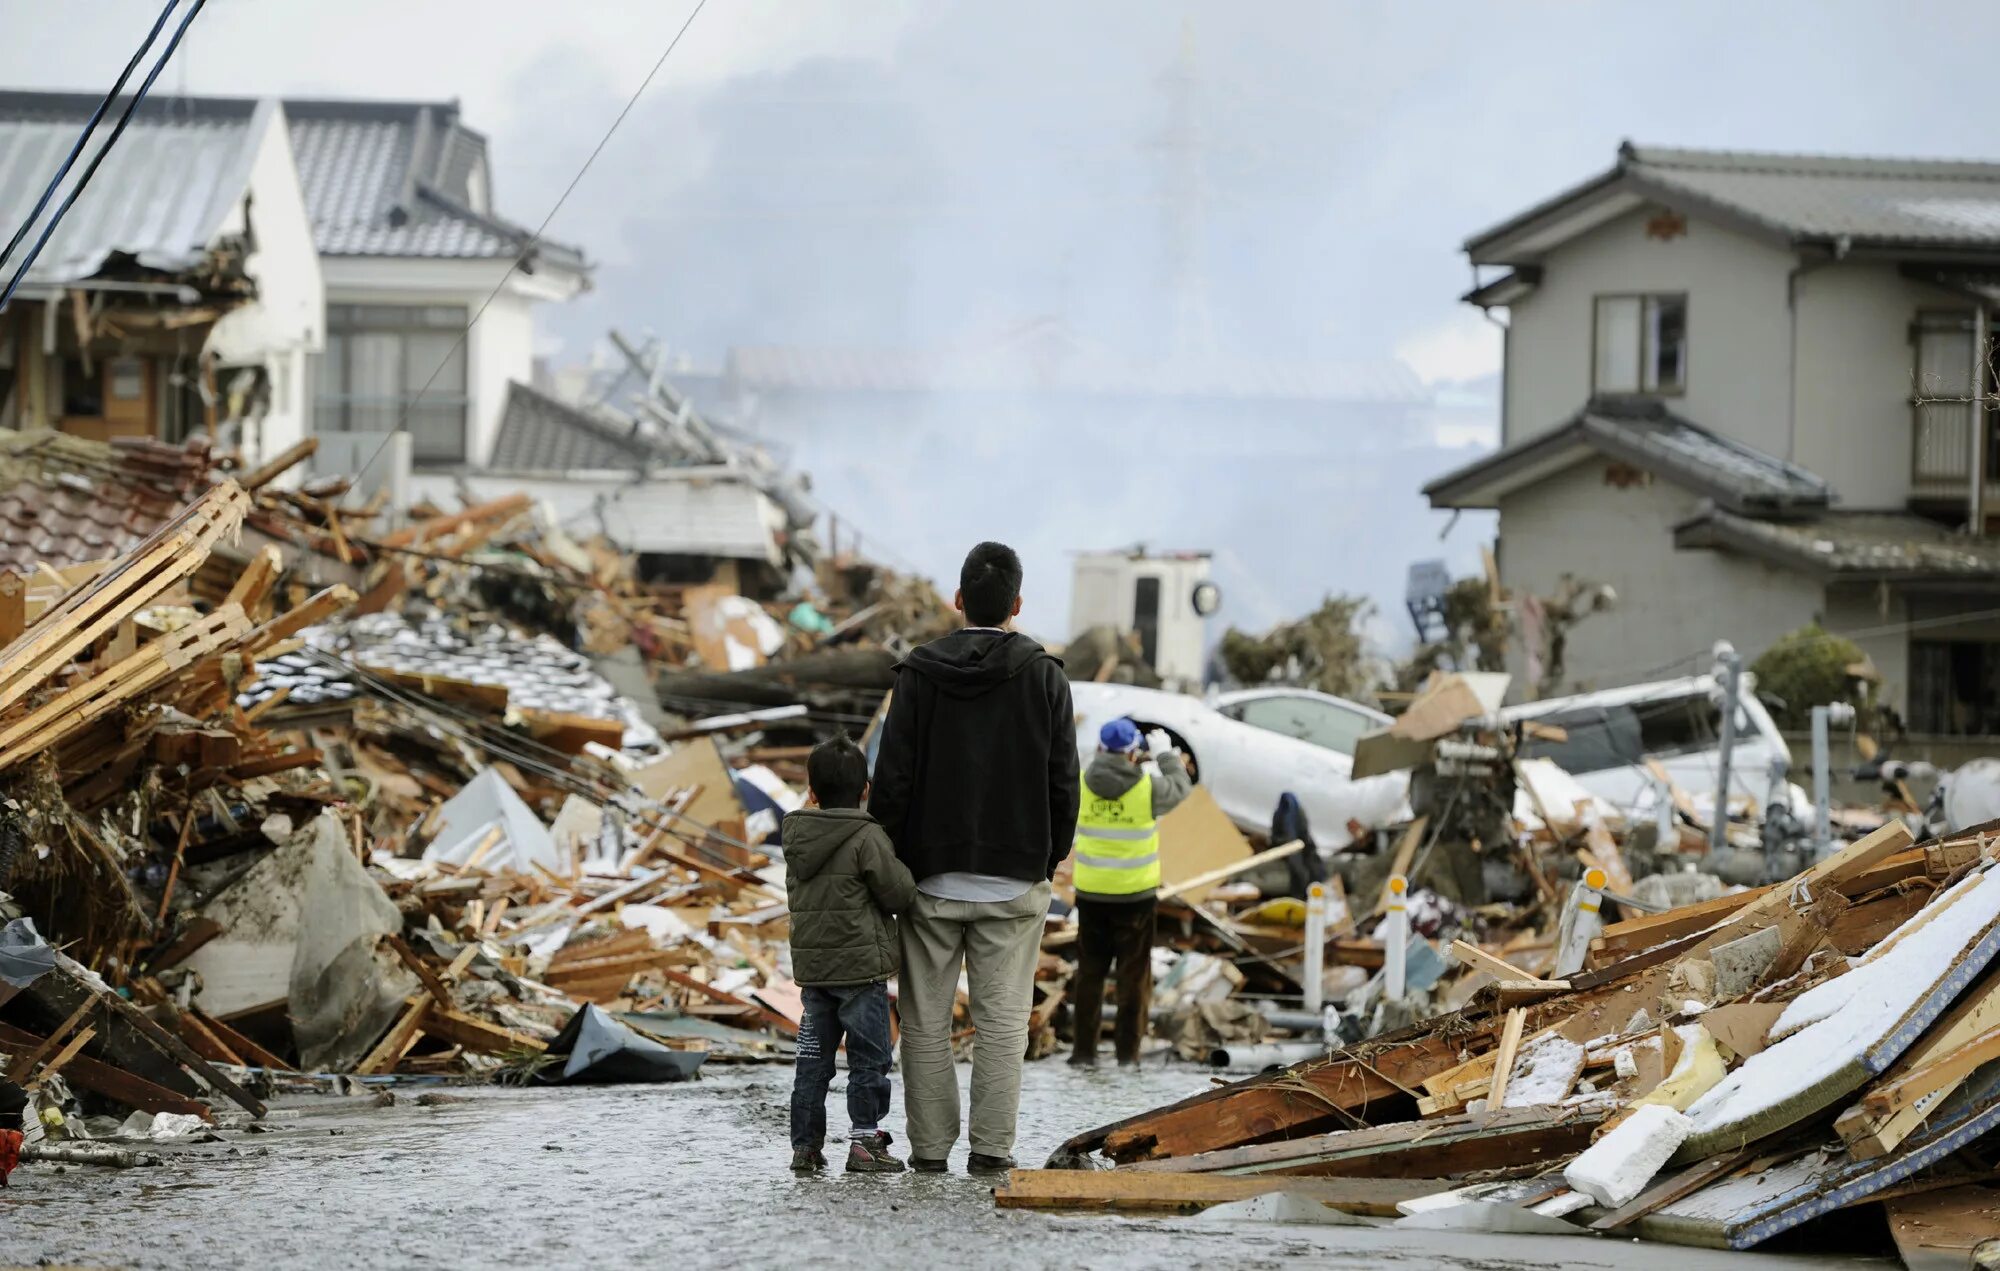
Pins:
x,y
1110,932
860,1012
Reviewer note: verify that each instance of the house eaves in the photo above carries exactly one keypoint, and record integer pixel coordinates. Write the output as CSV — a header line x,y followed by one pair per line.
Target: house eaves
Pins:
x,y
1855,547
1646,435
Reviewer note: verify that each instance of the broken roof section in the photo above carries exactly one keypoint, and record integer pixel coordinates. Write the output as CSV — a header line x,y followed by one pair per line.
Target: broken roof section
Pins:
x,y
166,196
66,501
1800,200
542,433
1648,436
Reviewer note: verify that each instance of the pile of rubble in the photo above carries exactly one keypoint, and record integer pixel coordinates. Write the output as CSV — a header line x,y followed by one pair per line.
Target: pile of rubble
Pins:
x,y
291,799
1715,1074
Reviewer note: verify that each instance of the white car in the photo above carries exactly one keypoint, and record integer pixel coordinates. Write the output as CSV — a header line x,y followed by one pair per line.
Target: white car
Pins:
x,y
1676,723
1251,746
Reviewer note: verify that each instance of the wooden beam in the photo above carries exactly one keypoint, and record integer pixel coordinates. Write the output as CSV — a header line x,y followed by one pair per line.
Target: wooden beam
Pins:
x,y
198,932
1939,1075
1406,852
1526,1139
112,1082
283,462
1231,870
477,1035
1868,1134
1480,960
24,1063
1503,1058
61,1059
244,1046
1133,1191
398,1039
432,983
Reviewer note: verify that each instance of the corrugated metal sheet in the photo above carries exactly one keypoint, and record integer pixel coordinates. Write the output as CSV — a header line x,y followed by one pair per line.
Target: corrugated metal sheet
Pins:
x,y
163,195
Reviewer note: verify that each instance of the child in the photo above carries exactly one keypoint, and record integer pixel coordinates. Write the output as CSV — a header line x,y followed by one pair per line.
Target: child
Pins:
x,y
843,884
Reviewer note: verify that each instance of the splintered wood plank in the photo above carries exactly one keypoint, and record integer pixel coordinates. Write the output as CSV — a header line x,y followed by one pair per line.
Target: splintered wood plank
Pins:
x,y
1507,1139
321,606
61,1059
1506,972
1869,1133
237,1042
1133,1191
460,1029
1848,862
1406,851
24,1063
206,1043
398,1039
1504,1056
112,1082
198,932
428,976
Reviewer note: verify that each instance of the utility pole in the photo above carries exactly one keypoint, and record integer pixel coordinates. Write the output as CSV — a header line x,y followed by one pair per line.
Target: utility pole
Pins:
x,y
1975,521
1729,670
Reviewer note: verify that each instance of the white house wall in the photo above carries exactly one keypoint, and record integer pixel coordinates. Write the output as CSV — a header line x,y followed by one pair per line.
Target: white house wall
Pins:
x,y
1855,374
1672,605
288,320
500,346
1738,332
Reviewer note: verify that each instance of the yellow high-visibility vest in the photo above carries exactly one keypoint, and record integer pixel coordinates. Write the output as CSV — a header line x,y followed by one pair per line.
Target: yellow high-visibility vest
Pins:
x,y
1118,842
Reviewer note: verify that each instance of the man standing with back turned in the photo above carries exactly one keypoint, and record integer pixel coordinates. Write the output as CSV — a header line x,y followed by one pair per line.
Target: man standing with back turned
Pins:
x,y
976,782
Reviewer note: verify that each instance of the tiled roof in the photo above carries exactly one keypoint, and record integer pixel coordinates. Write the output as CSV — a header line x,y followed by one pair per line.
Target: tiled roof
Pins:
x,y
163,194
1852,546
401,179
380,178
1645,434
65,500
1820,200
538,433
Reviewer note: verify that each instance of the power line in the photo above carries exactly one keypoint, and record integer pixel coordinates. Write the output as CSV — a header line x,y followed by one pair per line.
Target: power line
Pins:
x,y
83,138
97,160
535,238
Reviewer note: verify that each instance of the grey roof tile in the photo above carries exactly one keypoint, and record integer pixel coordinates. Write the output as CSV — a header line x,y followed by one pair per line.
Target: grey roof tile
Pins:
x,y
1850,546
1644,433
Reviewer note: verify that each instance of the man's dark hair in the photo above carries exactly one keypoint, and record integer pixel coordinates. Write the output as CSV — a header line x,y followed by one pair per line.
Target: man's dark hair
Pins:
x,y
989,583
837,772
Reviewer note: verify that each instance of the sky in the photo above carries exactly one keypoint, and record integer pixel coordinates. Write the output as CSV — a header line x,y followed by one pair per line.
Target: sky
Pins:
x,y
886,174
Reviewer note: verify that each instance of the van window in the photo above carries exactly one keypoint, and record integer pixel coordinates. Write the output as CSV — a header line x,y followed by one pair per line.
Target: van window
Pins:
x,y
1603,737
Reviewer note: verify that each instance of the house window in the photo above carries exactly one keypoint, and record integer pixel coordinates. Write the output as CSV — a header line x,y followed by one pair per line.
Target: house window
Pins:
x,y
1955,687
1941,399
1640,344
373,374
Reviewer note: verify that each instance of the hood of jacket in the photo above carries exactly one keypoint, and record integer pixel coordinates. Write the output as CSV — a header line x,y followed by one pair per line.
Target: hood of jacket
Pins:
x,y
1110,776
969,662
813,835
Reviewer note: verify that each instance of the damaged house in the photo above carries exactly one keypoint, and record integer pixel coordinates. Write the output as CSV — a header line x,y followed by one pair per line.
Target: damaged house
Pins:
x,y
1748,392
180,296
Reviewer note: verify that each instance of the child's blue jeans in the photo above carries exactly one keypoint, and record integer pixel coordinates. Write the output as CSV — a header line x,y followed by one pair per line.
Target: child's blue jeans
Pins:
x,y
860,1012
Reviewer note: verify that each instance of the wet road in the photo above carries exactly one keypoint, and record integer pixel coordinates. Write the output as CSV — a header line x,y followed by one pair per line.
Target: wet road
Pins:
x,y
667,1174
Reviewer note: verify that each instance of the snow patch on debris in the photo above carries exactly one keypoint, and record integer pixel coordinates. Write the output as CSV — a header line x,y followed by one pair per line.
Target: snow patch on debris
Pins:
x,y
1618,1166
1545,1073
1830,1025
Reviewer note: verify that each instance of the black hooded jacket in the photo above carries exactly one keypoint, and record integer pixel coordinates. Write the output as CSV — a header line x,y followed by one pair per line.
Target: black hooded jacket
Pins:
x,y
977,766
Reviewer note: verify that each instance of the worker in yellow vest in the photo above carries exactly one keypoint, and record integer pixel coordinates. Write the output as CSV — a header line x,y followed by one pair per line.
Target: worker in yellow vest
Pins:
x,y
1117,873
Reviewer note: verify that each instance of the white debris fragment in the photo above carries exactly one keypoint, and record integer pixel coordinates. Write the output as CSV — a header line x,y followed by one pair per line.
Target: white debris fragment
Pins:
x,y
1618,1166
1561,1206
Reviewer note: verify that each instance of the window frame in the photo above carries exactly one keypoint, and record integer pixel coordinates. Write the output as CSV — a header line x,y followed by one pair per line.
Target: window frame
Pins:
x,y
351,321
1646,349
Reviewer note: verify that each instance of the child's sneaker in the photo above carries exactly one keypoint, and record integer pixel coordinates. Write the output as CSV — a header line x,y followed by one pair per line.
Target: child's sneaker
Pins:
x,y
807,1159
871,1155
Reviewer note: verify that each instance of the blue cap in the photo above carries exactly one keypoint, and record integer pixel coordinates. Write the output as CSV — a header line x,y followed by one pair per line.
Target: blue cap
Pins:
x,y
1120,736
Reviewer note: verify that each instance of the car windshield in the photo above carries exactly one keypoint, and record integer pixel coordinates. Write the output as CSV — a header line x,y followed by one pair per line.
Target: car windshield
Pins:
x,y
1601,737
1308,719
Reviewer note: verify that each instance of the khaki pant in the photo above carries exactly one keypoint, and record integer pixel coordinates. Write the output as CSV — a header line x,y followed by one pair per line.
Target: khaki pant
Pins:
x,y
998,944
